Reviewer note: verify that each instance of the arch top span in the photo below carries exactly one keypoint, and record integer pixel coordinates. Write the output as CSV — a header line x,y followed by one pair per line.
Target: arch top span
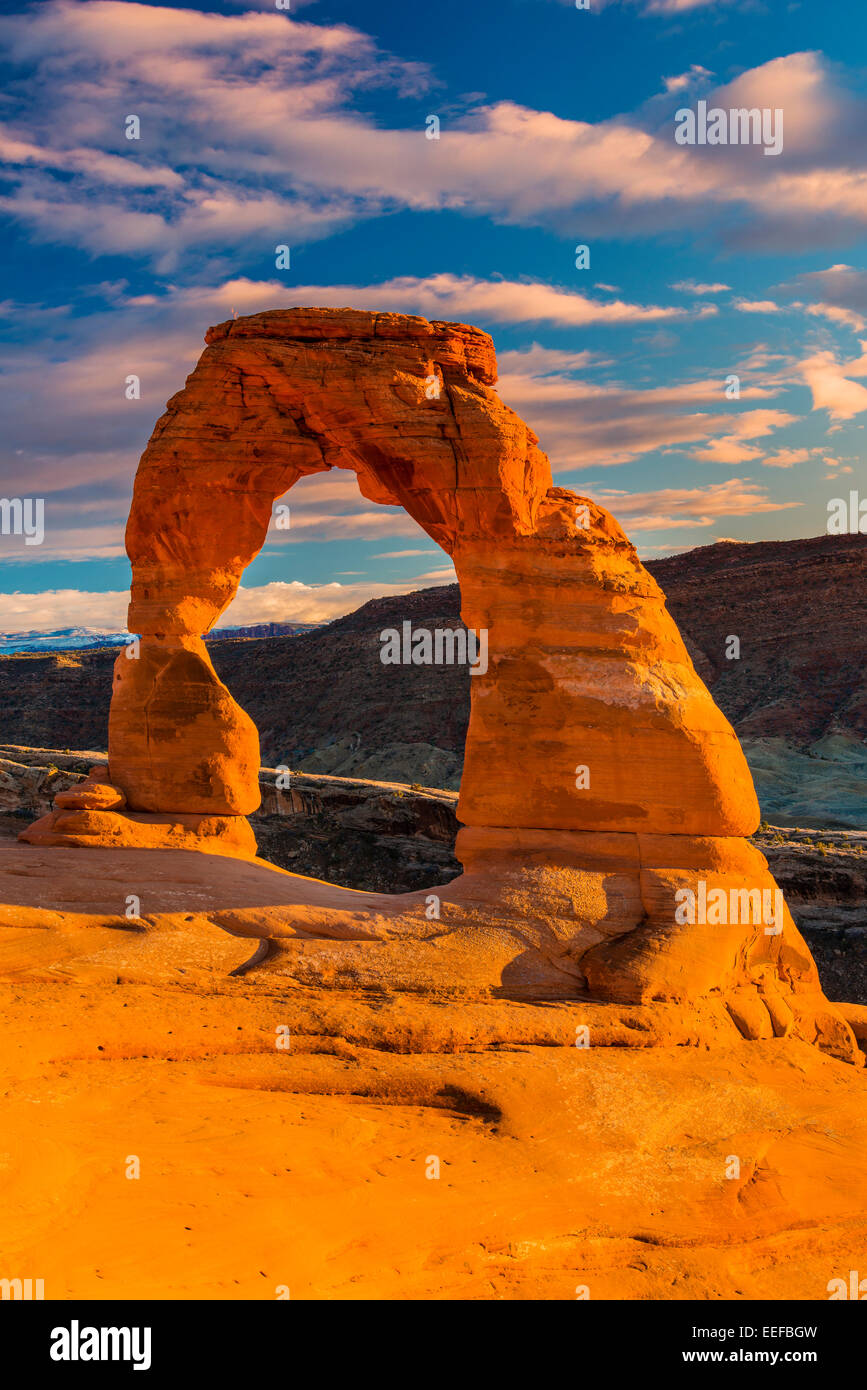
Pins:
x,y
408,404
464,348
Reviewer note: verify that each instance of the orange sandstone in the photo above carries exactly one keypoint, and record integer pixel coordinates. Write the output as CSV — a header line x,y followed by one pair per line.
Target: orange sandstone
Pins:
x,y
585,665
590,732
304,1165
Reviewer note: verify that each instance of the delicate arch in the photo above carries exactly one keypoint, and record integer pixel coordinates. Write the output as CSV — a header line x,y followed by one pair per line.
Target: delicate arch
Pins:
x,y
585,665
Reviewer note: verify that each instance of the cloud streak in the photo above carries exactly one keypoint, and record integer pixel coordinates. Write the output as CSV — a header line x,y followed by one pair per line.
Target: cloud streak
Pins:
x,y
667,508
251,134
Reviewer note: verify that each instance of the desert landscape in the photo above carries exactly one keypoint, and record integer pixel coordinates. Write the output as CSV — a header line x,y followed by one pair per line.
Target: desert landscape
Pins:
x,y
510,1050
433,676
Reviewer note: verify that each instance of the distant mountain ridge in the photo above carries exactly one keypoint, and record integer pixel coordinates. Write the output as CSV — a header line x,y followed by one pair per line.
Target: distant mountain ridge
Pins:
x,y
61,639
800,611
65,639
797,694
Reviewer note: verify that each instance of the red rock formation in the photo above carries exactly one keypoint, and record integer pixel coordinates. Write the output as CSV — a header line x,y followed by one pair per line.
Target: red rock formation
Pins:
x,y
586,667
569,880
180,741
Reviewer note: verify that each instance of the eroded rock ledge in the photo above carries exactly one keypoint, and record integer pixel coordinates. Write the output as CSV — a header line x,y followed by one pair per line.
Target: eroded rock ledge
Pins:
x,y
386,837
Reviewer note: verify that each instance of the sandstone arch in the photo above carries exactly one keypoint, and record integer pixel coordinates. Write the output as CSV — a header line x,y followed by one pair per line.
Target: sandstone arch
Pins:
x,y
586,666
566,890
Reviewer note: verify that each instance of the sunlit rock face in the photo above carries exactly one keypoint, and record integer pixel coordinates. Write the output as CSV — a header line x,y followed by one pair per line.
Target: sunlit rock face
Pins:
x,y
600,779
585,666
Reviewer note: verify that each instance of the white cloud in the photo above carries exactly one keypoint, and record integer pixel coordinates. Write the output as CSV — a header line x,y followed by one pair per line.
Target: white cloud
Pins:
x,y
442,295
681,7
254,114
695,73
786,458
401,554
837,314
278,601
60,608
698,287
752,424
831,384
539,361
757,306
655,8
582,424
313,603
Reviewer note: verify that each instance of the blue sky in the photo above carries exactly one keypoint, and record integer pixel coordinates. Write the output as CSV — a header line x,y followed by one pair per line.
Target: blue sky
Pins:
x,y
556,129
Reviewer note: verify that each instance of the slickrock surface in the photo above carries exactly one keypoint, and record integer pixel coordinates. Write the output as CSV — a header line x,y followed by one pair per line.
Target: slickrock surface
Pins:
x,y
590,1070
386,838
305,1165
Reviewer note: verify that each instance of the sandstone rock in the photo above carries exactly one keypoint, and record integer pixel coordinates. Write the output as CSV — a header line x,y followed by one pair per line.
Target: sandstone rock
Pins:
x,y
590,671
81,765
856,1017
600,779
586,666
177,740
89,829
28,788
91,796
